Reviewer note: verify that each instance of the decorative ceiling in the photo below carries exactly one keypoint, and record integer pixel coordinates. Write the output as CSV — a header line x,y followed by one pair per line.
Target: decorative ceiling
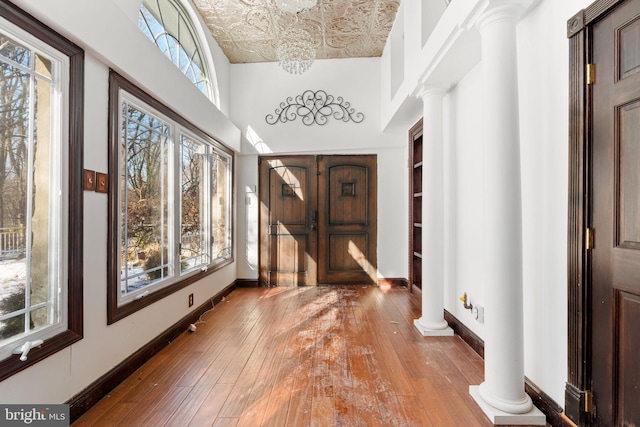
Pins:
x,y
249,30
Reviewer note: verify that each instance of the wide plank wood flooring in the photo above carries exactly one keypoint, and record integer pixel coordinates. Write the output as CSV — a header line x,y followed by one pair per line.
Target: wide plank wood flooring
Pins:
x,y
307,356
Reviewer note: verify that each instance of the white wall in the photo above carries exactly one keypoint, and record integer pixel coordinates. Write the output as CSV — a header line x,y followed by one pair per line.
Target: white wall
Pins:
x,y
543,65
543,83
465,105
111,39
258,89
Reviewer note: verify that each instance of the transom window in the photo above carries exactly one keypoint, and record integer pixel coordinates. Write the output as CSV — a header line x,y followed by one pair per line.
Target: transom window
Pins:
x,y
172,223
40,160
168,25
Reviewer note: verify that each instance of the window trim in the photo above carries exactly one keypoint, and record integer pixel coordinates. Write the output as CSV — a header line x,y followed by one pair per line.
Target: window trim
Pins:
x,y
75,116
115,312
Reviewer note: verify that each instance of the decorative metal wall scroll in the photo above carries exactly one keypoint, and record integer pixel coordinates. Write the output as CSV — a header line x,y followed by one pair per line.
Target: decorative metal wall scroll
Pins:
x,y
314,107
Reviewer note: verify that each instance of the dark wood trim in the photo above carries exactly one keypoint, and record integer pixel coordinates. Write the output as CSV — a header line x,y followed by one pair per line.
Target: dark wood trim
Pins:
x,y
76,194
598,9
75,316
578,282
467,335
393,281
247,283
91,395
575,24
574,404
388,281
544,402
115,313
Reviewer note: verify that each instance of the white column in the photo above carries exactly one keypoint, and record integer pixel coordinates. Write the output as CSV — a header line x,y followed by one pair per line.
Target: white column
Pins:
x,y
432,322
502,395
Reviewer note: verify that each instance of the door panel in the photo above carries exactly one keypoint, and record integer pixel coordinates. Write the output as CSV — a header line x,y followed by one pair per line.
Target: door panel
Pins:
x,y
628,374
287,230
347,238
616,217
628,176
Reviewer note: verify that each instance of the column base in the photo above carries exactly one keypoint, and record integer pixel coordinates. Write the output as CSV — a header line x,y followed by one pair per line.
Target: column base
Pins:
x,y
534,417
433,330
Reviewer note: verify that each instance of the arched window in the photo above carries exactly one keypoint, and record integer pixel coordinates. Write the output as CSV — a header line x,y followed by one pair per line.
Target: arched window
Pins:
x,y
168,25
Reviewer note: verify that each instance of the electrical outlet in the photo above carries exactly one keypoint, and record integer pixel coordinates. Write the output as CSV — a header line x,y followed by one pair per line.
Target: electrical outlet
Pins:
x,y
190,300
478,313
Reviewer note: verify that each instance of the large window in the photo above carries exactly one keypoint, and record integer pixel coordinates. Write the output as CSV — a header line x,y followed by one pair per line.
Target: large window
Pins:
x,y
40,162
168,25
170,210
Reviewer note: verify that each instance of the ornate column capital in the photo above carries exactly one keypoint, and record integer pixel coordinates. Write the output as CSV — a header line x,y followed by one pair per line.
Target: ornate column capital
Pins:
x,y
422,91
492,11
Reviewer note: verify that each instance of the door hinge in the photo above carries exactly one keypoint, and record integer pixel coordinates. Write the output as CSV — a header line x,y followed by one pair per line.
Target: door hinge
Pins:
x,y
590,238
591,74
589,405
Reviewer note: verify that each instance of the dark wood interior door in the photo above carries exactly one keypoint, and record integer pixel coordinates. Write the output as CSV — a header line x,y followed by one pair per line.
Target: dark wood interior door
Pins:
x,y
288,231
347,238
616,217
318,220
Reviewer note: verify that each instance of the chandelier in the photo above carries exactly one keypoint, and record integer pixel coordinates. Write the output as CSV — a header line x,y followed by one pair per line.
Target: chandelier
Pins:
x,y
295,6
295,53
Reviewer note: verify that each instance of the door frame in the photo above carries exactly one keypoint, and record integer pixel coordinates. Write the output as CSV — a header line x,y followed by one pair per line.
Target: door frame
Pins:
x,y
578,396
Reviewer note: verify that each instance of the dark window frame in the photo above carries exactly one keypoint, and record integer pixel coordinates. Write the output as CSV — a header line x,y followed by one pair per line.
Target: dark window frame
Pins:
x,y
75,113
115,312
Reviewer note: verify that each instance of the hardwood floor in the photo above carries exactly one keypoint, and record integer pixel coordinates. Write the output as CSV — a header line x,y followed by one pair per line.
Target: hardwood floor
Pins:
x,y
307,356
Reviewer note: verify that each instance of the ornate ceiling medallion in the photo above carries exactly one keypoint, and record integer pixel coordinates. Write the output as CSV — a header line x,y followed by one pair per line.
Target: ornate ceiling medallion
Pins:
x,y
314,107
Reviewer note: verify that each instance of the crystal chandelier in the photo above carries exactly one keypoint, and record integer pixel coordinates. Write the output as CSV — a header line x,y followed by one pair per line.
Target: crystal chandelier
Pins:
x,y
295,53
295,6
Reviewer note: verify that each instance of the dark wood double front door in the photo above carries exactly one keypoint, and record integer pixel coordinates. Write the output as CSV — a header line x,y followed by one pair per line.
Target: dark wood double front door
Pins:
x,y
318,220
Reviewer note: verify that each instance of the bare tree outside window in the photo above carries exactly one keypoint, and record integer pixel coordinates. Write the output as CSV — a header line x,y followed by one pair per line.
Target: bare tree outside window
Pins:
x,y
26,302
193,238
145,145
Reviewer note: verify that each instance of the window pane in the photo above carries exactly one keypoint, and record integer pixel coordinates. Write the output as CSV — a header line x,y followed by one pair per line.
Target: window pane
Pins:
x,y
43,66
26,226
40,236
169,27
193,236
14,154
220,204
144,198
14,325
12,50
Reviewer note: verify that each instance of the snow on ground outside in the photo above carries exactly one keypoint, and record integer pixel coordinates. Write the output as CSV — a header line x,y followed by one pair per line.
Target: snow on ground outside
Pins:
x,y
13,273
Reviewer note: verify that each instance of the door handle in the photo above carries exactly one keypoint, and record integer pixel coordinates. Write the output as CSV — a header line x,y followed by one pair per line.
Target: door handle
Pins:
x,y
314,220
